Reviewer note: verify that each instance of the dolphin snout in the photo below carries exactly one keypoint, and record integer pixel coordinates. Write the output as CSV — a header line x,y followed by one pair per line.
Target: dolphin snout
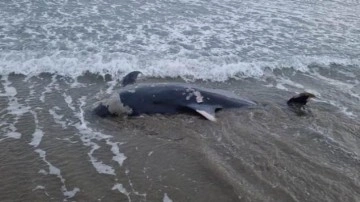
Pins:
x,y
102,110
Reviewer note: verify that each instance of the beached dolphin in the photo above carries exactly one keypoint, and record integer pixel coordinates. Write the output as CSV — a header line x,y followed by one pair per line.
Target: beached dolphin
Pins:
x,y
172,98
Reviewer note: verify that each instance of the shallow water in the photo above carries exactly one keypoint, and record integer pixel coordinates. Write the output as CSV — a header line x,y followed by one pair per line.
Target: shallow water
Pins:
x,y
214,40
54,148
57,58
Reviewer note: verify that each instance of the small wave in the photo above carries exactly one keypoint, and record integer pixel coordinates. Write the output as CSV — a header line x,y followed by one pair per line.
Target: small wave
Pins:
x,y
74,64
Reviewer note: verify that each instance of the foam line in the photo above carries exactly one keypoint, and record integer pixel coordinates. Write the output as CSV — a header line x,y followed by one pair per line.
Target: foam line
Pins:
x,y
99,165
14,108
49,87
122,190
87,135
40,187
166,198
213,68
69,101
56,171
57,117
118,157
38,134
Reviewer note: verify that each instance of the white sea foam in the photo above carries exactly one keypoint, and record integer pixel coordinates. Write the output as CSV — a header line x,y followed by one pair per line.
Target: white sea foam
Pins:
x,y
57,117
282,82
14,135
44,172
14,108
214,68
166,198
69,101
100,167
118,157
341,86
37,136
202,40
49,87
343,109
56,171
336,83
111,87
281,86
72,193
122,190
38,187
87,134
38,133
285,81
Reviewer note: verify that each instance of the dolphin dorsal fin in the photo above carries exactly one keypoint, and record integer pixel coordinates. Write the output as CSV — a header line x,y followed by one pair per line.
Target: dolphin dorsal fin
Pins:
x,y
207,111
130,78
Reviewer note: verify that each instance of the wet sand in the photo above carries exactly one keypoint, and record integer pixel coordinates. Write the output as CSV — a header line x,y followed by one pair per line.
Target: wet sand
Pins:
x,y
53,148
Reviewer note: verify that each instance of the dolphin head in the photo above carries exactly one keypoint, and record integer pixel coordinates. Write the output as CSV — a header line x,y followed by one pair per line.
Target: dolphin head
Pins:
x,y
111,107
102,110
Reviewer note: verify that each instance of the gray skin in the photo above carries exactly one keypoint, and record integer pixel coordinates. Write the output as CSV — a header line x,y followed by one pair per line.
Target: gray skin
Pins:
x,y
169,98
173,98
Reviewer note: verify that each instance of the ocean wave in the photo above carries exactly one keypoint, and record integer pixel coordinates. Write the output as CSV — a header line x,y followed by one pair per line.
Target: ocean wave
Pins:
x,y
74,64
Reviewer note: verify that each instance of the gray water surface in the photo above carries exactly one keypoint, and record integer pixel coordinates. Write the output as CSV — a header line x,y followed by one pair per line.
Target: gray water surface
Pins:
x,y
263,154
54,56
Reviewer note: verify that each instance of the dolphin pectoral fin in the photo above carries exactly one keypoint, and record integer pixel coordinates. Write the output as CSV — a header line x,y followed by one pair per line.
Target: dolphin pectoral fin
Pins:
x,y
204,110
207,115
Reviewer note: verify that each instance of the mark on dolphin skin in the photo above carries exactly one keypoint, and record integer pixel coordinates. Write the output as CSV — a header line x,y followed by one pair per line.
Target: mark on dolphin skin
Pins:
x,y
188,96
199,97
192,92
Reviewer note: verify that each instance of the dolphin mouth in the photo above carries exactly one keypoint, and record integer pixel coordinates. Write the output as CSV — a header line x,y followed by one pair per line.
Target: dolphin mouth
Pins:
x,y
102,110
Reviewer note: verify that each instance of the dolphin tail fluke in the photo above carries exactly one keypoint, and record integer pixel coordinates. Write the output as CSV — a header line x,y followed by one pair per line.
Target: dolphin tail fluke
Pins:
x,y
300,99
130,78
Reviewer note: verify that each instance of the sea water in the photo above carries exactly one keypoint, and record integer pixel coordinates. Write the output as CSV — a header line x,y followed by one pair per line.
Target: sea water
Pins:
x,y
58,58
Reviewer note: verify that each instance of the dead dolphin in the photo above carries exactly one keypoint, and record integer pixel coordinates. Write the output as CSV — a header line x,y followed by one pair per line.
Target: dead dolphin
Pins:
x,y
173,98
